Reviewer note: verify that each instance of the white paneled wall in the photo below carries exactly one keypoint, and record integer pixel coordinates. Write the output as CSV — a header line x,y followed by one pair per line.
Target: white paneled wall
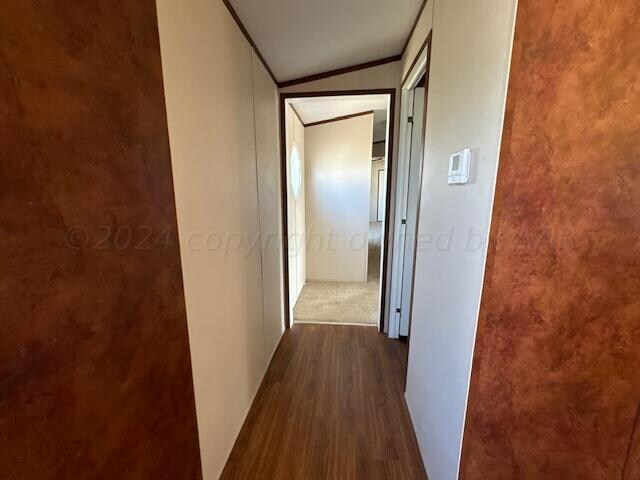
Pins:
x,y
223,129
268,160
338,181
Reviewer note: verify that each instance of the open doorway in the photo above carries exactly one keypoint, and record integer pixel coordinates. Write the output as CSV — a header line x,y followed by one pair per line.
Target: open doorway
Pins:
x,y
335,185
408,192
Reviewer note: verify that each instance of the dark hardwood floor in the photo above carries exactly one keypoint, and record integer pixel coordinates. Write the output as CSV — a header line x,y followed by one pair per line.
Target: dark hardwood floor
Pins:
x,y
331,406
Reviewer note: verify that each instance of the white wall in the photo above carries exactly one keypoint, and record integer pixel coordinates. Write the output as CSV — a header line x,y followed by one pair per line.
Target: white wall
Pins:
x,y
376,166
469,69
267,126
296,214
338,179
209,71
382,76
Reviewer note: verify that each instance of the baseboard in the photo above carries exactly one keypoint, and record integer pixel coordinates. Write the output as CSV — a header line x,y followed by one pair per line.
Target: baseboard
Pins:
x,y
335,323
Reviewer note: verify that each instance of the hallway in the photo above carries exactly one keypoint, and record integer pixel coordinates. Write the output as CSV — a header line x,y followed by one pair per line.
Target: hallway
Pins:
x,y
331,406
188,188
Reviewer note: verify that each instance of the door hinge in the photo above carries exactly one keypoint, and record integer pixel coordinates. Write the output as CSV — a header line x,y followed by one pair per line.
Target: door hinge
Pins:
x,y
404,221
398,310
410,119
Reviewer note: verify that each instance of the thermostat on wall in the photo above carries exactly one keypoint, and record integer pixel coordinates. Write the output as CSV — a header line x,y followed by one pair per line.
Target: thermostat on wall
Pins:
x,y
459,164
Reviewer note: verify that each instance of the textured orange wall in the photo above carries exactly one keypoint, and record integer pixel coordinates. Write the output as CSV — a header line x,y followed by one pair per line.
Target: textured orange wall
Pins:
x,y
556,375
95,374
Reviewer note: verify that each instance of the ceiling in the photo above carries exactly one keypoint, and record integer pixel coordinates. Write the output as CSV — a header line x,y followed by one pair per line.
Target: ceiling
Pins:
x,y
304,37
316,109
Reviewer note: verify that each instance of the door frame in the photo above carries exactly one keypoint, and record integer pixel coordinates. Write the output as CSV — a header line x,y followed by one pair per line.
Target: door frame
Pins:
x,y
284,96
420,66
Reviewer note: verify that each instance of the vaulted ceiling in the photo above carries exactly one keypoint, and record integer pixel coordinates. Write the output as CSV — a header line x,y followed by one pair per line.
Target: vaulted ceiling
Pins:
x,y
318,109
298,38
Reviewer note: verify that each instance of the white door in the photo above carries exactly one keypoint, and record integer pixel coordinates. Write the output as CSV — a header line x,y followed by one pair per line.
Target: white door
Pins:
x,y
410,217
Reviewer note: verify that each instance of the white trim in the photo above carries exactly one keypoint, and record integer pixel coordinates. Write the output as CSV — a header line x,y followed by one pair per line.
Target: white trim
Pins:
x,y
402,183
416,73
372,325
383,239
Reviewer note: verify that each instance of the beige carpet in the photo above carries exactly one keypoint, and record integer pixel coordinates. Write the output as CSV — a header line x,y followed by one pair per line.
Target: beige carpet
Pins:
x,y
342,302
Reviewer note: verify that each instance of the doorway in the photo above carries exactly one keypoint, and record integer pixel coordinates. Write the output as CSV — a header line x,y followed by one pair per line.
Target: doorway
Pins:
x,y
408,192
335,158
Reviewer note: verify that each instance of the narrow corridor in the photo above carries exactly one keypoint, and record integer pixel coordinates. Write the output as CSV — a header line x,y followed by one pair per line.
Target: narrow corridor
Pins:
x,y
331,406
188,188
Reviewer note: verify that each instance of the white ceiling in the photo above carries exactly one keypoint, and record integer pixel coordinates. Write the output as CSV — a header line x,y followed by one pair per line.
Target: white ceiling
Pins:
x,y
316,109
304,37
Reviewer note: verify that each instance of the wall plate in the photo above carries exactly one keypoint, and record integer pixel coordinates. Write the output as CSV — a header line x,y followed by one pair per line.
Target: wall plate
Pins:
x,y
459,166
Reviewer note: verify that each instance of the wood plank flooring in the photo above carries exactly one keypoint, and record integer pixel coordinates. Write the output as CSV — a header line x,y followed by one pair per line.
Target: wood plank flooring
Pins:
x,y
331,406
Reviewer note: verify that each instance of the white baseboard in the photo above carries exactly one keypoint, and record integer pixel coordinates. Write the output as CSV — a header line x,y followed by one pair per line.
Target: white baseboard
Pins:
x,y
336,323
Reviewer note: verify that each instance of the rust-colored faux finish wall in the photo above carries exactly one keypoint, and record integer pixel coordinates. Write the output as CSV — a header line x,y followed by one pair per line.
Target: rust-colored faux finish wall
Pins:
x,y
556,375
95,376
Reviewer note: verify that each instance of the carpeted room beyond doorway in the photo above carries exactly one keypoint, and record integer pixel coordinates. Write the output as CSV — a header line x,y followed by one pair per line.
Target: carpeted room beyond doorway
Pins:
x,y
344,302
